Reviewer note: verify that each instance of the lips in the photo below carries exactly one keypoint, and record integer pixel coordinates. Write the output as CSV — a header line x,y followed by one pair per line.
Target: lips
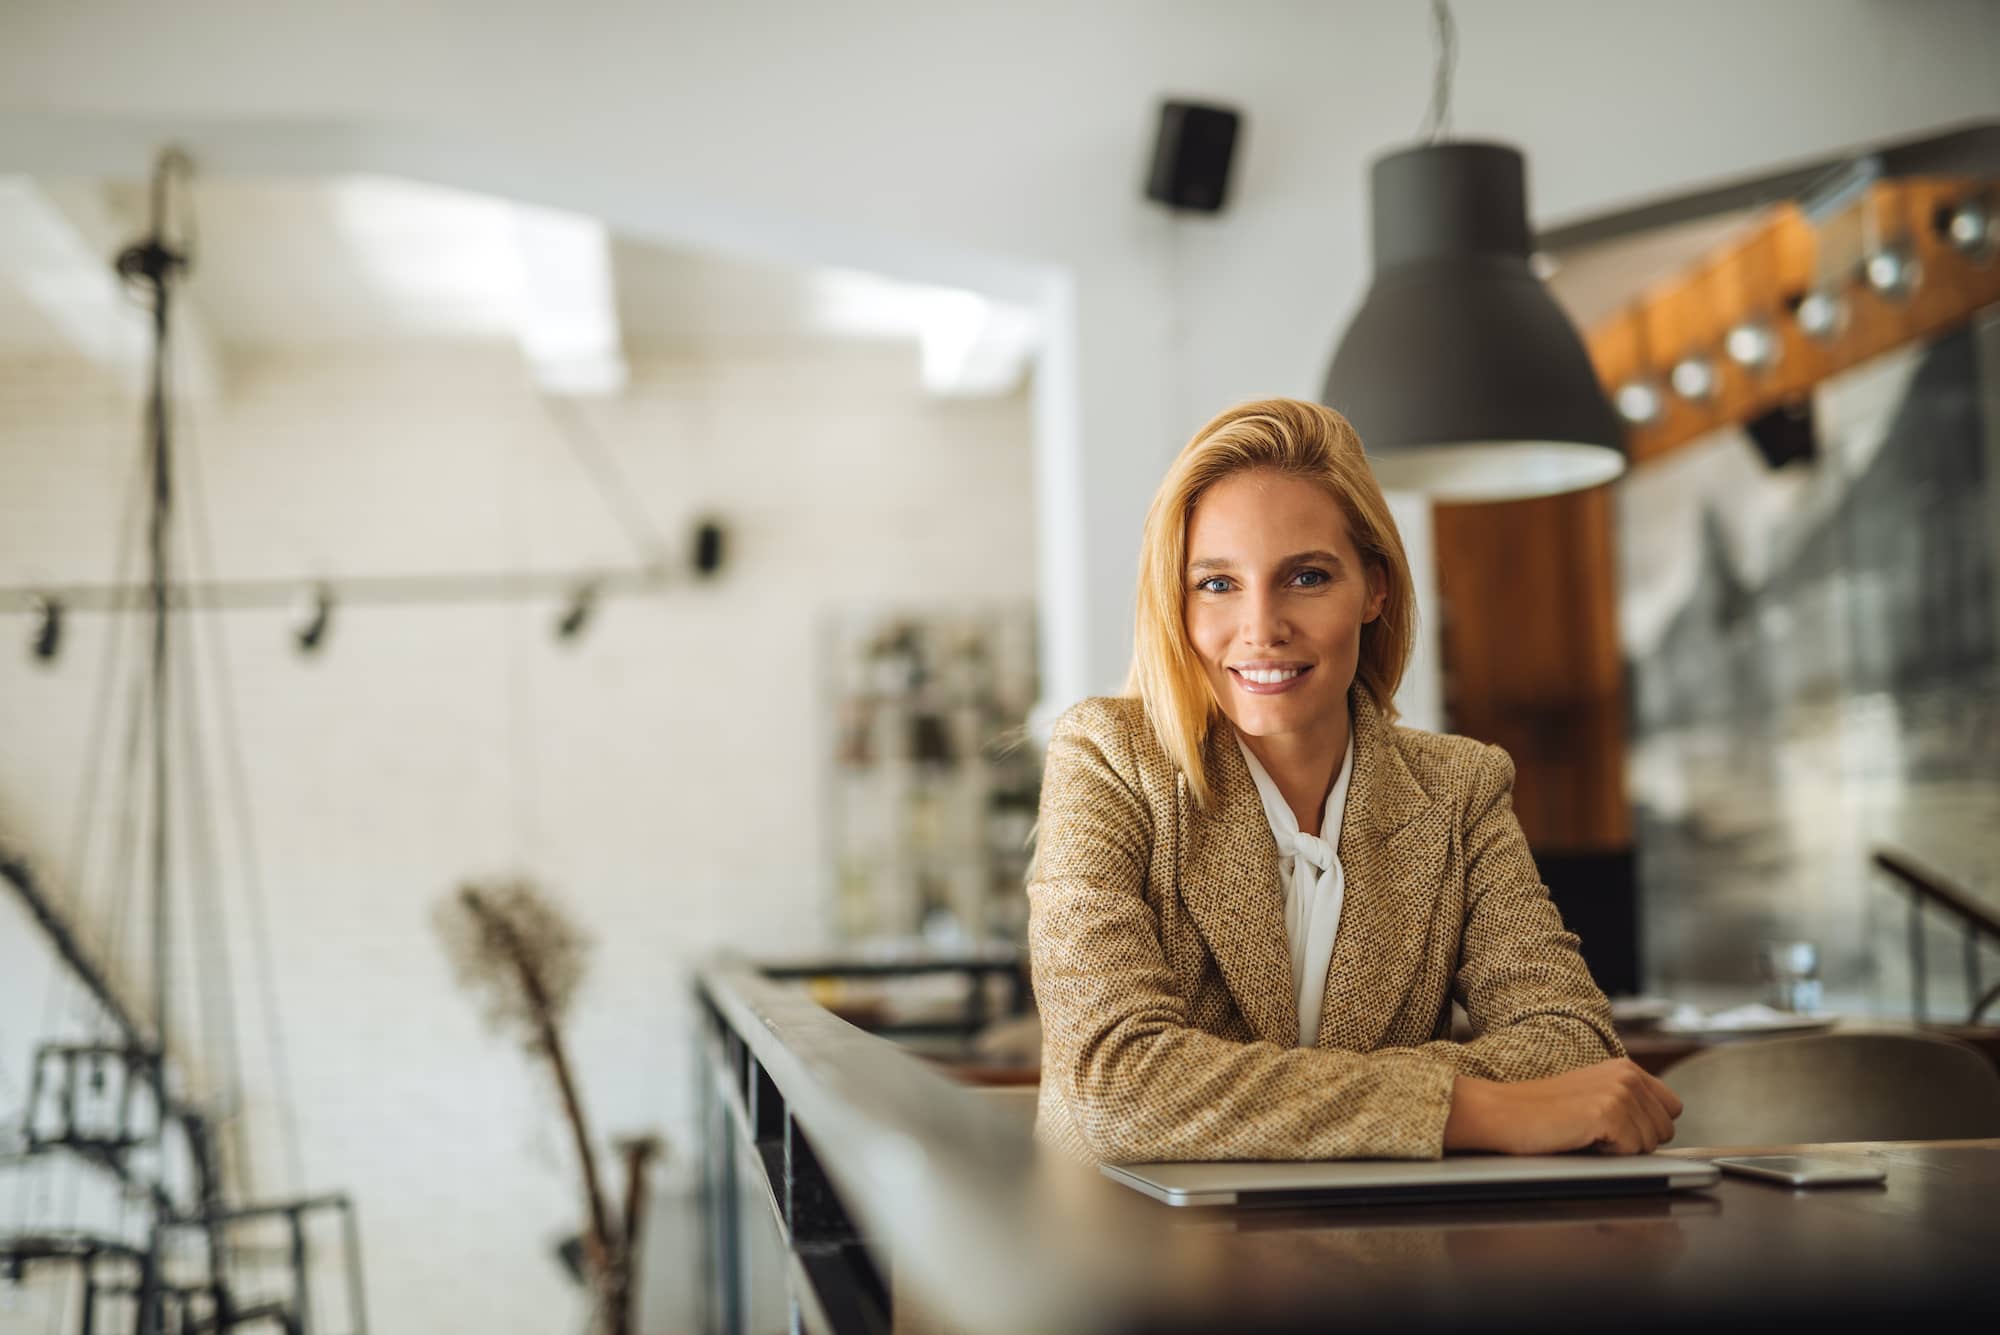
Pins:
x,y
1268,678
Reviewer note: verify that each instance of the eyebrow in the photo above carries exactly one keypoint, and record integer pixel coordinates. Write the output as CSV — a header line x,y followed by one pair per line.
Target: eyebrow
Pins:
x,y
1296,558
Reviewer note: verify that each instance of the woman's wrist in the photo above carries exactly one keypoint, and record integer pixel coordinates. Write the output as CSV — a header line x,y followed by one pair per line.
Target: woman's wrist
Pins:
x,y
1469,1124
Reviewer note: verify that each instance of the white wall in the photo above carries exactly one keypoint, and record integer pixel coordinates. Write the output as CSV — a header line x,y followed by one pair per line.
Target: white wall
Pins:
x,y
663,774
998,145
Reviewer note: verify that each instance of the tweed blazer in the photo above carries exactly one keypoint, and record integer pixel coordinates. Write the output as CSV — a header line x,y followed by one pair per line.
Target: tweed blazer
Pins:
x,y
1157,936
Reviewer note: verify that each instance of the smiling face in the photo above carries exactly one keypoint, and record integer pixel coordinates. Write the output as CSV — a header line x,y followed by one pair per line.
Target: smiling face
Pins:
x,y
1276,598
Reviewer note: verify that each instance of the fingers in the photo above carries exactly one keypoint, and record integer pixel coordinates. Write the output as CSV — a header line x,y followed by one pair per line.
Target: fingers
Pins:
x,y
1671,1100
1636,1119
1655,1112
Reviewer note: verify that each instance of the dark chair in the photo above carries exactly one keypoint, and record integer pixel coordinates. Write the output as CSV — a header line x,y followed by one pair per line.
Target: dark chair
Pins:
x,y
1841,1086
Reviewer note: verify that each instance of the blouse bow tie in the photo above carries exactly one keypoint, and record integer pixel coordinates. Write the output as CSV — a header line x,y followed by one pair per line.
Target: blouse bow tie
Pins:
x,y
1308,848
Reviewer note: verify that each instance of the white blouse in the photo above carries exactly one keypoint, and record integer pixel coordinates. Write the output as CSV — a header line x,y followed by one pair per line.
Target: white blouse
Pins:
x,y
1309,869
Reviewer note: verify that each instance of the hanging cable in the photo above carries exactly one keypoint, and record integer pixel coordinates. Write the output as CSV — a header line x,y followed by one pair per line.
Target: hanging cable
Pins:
x,y
236,776
594,457
208,928
1437,122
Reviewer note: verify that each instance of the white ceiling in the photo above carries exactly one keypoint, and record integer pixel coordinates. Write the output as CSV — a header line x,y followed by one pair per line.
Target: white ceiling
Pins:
x,y
311,262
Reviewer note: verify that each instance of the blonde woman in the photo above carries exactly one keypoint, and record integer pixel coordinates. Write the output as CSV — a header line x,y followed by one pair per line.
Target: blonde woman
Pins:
x,y
1255,897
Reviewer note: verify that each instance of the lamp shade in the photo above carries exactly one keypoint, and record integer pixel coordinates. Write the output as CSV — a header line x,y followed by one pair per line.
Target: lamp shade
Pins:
x,y
1464,378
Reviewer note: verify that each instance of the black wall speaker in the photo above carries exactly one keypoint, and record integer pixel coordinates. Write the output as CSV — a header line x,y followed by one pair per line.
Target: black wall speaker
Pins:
x,y
1191,156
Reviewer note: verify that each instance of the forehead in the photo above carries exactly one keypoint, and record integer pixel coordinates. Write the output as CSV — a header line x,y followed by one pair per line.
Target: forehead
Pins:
x,y
1261,513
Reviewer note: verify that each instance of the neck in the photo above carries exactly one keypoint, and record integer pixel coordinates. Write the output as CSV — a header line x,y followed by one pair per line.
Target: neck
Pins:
x,y
1304,766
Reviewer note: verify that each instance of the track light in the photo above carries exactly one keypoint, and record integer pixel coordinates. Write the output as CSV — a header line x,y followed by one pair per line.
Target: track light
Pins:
x,y
1821,314
577,612
46,640
708,547
1638,402
1693,378
1969,226
313,619
1893,271
1753,345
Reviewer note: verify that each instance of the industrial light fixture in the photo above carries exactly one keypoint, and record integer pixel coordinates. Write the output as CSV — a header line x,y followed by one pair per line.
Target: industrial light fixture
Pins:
x,y
1753,345
1464,378
313,620
1821,314
1693,378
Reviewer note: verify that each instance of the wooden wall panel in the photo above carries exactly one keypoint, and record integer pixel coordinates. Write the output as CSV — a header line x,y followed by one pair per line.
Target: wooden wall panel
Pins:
x,y
1529,627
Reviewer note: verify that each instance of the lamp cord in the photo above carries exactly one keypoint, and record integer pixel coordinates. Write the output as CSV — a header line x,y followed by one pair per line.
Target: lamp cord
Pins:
x,y
1437,122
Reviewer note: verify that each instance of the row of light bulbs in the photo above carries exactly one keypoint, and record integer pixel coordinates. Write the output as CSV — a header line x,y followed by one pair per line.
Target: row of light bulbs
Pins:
x,y
1893,272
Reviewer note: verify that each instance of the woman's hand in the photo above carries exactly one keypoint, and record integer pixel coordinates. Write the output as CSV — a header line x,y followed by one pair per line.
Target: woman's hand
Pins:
x,y
1613,1106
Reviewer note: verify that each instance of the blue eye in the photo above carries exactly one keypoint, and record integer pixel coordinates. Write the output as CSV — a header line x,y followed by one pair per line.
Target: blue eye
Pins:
x,y
1213,584
1312,578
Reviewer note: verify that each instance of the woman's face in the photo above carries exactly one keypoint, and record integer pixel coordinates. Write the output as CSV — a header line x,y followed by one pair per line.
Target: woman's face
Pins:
x,y
1276,598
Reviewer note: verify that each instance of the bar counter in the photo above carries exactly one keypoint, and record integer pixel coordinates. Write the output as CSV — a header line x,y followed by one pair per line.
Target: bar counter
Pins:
x,y
852,1187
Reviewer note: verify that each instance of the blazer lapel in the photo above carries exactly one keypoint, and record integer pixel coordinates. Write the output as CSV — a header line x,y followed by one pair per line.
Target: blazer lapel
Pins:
x,y
1229,882
1393,848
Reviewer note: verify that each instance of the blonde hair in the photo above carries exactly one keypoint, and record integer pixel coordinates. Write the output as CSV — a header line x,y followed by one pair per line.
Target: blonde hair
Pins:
x,y
1296,439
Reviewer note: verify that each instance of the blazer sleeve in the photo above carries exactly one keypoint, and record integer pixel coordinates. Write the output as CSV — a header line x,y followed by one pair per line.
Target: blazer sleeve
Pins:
x,y
1140,1082
1535,1009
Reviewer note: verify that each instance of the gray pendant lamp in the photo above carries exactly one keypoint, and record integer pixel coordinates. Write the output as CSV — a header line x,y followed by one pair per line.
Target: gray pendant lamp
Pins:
x,y
1464,378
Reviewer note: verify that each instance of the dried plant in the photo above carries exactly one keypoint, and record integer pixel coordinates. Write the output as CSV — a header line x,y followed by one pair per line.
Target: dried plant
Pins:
x,y
515,948
511,944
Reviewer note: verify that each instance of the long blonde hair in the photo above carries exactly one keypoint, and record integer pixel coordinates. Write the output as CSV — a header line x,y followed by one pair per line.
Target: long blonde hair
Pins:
x,y
1297,439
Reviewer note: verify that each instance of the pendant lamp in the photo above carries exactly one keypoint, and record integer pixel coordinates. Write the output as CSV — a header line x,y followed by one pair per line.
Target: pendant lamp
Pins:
x,y
1464,378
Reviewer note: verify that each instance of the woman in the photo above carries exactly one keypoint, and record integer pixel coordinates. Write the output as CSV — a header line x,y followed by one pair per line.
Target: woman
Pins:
x,y
1254,897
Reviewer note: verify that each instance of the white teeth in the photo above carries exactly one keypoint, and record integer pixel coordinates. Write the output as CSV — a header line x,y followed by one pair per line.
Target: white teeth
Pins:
x,y
1267,676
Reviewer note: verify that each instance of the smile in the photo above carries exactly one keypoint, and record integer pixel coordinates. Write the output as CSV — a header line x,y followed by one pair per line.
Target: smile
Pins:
x,y
1268,680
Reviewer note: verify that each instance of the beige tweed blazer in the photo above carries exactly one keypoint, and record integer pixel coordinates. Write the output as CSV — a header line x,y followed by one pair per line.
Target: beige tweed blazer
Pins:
x,y
1170,1026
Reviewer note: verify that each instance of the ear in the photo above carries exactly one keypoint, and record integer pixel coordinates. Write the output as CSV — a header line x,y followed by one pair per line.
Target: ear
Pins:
x,y
1378,594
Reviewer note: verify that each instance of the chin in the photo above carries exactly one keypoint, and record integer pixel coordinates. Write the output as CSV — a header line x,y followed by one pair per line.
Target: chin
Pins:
x,y
1268,717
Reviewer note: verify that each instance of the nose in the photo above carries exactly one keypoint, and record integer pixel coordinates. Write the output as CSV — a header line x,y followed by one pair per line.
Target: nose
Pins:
x,y
1264,621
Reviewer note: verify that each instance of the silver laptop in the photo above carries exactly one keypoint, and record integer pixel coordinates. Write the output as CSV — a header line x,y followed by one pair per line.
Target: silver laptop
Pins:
x,y
1383,1181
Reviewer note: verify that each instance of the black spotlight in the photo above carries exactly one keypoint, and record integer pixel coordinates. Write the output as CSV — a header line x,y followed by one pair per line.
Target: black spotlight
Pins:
x,y
315,618
707,547
47,639
577,612
569,1252
1785,434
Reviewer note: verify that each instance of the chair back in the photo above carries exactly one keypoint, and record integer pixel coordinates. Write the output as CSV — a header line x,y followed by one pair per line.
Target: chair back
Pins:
x,y
1840,1086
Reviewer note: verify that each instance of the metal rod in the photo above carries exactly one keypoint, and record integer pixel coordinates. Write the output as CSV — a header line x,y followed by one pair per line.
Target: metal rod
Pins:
x,y
389,590
1971,939
1917,955
69,948
158,528
351,1228
301,1294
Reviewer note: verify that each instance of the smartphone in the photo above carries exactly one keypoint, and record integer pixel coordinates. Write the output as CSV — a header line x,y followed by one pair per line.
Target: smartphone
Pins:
x,y
1803,1170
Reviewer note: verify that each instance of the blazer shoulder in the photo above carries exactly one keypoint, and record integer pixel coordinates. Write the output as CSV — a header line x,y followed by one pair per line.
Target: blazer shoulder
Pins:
x,y
1451,768
1116,727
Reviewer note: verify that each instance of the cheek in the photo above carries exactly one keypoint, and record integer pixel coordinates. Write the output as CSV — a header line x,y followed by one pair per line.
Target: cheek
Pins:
x,y
1208,634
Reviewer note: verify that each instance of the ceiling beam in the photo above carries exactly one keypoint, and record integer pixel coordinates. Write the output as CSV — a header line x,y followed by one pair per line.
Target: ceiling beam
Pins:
x,y
1963,150
569,329
1759,276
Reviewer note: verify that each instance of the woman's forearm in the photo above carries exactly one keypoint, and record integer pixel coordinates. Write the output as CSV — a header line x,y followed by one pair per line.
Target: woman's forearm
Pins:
x,y
1611,1106
1467,1126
